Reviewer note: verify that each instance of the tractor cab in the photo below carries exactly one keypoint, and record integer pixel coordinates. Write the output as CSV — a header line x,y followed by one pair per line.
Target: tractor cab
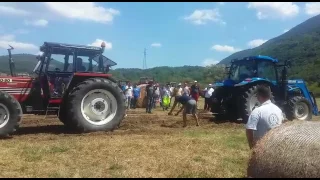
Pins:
x,y
62,65
60,62
252,68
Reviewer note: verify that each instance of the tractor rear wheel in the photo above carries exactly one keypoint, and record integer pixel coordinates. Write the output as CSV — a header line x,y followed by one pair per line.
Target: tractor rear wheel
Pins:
x,y
96,104
10,114
299,108
250,102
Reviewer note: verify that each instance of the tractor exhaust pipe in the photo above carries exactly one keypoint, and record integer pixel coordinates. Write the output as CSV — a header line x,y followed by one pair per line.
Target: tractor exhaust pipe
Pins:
x,y
11,62
285,79
284,83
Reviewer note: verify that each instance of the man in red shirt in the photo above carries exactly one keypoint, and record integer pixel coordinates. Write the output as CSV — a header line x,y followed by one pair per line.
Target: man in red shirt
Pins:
x,y
195,91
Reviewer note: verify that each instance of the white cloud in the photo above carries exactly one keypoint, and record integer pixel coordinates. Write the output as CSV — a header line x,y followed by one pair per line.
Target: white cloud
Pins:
x,y
7,10
225,48
312,8
7,37
209,61
21,31
203,16
221,3
59,11
286,30
156,45
98,42
6,40
39,23
256,42
88,11
274,9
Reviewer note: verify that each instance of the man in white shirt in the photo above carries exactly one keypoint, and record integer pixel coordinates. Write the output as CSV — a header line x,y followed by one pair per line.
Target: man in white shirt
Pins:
x,y
207,101
179,90
263,118
129,94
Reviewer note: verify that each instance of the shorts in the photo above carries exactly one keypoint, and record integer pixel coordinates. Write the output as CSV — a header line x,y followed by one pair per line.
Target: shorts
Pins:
x,y
191,107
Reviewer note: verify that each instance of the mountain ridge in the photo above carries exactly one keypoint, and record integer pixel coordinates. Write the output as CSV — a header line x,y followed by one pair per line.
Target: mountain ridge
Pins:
x,y
309,26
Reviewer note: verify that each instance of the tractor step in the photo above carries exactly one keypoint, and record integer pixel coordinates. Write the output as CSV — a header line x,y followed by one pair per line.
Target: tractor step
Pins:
x,y
29,109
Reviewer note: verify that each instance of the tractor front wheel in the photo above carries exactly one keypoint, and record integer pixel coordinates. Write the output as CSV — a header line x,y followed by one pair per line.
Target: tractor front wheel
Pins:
x,y
10,114
96,105
298,108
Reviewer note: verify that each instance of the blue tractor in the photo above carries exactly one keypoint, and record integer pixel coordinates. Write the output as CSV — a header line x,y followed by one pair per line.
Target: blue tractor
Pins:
x,y
235,97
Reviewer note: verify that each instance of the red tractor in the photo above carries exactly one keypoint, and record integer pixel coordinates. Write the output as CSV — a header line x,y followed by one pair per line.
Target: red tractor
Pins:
x,y
82,94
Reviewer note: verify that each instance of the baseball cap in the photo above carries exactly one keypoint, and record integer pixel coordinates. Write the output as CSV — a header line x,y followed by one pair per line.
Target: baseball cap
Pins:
x,y
195,81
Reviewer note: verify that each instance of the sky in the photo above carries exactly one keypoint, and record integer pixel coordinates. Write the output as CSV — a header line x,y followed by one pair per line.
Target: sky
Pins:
x,y
174,33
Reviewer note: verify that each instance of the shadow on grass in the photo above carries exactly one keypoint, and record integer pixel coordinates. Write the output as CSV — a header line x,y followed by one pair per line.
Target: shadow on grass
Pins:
x,y
216,121
48,129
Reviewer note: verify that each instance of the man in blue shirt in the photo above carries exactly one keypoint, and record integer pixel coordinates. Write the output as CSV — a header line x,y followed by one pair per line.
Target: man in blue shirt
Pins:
x,y
136,96
189,105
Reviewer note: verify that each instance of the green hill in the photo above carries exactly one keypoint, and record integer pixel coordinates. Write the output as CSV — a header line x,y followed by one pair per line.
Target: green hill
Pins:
x,y
301,45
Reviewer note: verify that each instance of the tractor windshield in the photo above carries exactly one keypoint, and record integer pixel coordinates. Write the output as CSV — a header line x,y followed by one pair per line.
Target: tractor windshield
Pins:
x,y
82,63
240,70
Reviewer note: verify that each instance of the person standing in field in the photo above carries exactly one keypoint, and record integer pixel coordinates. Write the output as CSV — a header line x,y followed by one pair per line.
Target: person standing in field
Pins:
x,y
185,90
165,97
150,94
195,91
177,91
156,95
172,88
207,97
129,94
189,106
263,118
136,96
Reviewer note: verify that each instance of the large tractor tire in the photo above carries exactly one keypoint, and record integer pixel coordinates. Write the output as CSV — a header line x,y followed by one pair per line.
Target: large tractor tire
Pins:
x,y
10,114
250,102
96,104
298,108
221,107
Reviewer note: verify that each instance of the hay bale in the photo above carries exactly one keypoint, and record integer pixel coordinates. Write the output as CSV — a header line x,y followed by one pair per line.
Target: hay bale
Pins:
x,y
289,151
142,101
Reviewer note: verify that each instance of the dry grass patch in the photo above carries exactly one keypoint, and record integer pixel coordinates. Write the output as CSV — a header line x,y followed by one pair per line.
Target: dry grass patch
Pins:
x,y
146,145
153,145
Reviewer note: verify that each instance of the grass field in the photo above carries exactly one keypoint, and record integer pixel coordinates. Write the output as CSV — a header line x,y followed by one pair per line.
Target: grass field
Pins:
x,y
146,145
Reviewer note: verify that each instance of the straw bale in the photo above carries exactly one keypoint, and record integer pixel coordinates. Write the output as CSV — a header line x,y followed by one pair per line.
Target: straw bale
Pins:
x,y
289,151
